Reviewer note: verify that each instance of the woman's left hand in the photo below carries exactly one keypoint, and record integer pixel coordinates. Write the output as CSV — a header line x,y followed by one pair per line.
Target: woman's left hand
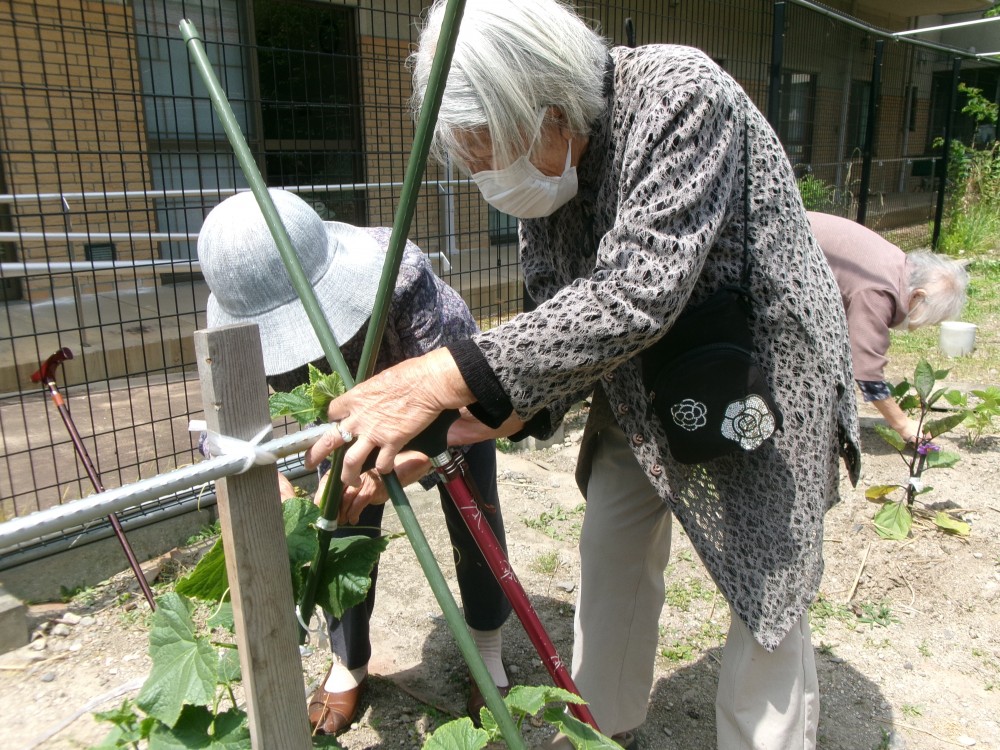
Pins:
x,y
410,466
388,410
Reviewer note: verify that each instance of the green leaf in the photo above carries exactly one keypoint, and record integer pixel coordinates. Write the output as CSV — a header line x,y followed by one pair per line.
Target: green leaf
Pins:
x,y
324,389
130,727
299,514
185,667
890,436
899,390
199,729
941,460
346,575
909,403
209,580
923,379
940,426
936,395
460,734
989,395
878,491
229,666
528,700
893,521
951,525
956,398
223,617
583,736
326,740
298,404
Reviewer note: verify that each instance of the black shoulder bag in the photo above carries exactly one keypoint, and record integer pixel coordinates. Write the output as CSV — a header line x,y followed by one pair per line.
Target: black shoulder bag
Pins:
x,y
702,376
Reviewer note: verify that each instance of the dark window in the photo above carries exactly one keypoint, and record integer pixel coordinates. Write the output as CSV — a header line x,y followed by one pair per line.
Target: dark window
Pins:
x,y
503,228
857,114
798,111
310,117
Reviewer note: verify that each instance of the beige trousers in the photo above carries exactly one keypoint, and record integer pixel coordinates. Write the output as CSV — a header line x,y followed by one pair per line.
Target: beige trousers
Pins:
x,y
765,701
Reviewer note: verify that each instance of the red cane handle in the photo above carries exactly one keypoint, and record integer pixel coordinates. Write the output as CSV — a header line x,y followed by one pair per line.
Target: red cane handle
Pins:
x,y
47,372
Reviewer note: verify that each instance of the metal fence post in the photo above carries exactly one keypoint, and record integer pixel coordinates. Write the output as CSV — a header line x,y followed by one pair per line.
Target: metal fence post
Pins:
x,y
777,60
956,68
874,97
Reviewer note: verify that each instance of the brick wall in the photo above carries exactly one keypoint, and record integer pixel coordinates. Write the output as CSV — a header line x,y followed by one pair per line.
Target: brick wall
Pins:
x,y
72,122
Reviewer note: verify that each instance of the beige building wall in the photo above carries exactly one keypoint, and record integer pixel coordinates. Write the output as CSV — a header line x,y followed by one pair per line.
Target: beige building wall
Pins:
x,y
76,126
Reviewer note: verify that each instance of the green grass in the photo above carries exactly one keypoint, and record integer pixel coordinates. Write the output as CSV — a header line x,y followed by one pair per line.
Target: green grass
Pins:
x,y
547,563
680,594
559,524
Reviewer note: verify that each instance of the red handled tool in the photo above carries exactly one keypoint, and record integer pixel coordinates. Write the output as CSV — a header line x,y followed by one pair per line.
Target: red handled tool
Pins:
x,y
46,374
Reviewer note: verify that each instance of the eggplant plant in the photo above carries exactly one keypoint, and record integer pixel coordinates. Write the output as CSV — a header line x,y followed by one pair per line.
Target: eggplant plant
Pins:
x,y
897,502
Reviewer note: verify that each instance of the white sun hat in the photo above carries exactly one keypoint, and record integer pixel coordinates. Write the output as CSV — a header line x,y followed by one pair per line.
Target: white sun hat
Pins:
x,y
250,284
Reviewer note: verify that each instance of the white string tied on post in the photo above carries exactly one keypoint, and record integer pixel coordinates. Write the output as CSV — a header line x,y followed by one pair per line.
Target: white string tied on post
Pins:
x,y
223,445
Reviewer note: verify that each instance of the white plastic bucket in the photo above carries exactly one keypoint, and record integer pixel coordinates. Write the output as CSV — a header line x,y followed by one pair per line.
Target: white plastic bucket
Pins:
x,y
957,338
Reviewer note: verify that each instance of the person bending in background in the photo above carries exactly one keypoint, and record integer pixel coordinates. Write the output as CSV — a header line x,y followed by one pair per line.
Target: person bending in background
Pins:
x,y
249,284
885,288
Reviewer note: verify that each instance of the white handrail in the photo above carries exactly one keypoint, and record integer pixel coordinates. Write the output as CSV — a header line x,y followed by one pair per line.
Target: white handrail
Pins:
x,y
52,520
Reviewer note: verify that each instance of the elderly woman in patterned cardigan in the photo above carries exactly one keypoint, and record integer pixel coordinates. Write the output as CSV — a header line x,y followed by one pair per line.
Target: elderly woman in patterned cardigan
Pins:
x,y
627,168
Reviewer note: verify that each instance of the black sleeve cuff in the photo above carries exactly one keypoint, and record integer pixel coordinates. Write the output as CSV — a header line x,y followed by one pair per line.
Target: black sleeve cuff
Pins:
x,y
492,406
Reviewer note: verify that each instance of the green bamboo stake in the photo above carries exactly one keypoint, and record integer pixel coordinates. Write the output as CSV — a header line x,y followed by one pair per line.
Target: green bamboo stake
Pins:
x,y
299,280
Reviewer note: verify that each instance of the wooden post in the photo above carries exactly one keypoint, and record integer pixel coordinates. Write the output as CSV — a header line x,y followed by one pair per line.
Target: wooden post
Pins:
x,y
234,394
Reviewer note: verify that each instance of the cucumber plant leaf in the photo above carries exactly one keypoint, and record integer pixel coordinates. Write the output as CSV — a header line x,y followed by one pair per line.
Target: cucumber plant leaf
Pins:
x,y
457,735
199,729
208,580
346,575
185,667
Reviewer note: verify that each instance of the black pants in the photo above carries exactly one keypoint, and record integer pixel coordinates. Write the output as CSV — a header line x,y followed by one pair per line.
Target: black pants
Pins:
x,y
483,601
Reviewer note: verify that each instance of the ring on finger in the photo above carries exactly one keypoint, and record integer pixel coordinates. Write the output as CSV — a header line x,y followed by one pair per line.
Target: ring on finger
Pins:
x,y
345,434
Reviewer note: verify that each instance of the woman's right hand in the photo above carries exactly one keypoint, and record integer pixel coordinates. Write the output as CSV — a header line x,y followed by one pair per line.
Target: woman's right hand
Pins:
x,y
385,412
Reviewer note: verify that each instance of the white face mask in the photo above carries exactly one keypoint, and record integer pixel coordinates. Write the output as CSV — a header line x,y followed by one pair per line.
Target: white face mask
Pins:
x,y
522,191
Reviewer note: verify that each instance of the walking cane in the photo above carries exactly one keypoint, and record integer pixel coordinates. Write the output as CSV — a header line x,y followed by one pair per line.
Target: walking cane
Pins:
x,y
47,374
453,469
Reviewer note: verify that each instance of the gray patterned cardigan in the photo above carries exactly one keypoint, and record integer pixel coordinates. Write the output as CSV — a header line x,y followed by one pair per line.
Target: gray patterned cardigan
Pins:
x,y
657,225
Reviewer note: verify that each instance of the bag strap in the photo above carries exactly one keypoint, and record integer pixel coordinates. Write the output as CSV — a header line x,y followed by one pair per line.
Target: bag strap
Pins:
x,y
745,278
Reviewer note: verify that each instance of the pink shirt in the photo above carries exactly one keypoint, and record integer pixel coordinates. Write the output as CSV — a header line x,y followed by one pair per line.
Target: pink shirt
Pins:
x,y
871,274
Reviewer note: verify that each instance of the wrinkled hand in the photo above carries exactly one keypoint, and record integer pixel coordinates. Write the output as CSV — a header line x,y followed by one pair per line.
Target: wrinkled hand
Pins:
x,y
410,466
388,410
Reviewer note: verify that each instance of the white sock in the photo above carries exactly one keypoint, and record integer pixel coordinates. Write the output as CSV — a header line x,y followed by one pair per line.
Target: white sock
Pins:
x,y
342,679
490,645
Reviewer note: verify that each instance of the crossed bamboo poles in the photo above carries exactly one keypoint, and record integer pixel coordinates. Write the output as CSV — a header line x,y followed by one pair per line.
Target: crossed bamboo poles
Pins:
x,y
447,465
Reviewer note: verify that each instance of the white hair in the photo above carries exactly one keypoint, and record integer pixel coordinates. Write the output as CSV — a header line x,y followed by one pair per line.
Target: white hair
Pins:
x,y
512,60
943,282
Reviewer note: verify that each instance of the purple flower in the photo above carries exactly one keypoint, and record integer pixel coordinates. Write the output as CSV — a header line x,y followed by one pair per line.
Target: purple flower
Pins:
x,y
927,447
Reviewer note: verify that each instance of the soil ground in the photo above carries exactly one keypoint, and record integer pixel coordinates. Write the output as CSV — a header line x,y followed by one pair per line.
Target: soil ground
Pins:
x,y
907,634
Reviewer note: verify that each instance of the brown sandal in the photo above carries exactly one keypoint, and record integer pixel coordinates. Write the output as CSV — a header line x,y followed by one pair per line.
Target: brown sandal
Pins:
x,y
331,713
